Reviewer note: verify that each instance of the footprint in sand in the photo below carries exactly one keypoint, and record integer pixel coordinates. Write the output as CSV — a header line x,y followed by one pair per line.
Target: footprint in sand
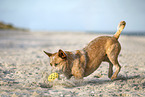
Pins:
x,y
98,76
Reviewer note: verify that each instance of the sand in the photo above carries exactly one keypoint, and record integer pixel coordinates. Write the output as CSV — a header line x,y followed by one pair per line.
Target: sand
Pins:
x,y
24,67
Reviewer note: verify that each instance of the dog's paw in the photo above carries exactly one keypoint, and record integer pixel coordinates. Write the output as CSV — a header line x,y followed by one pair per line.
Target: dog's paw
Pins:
x,y
113,77
109,76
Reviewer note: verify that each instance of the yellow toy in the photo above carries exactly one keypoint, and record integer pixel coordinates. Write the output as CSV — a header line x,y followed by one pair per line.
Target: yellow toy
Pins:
x,y
52,76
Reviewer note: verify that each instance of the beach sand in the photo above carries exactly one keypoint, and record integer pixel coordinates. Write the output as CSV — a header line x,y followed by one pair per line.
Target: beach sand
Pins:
x,y
23,66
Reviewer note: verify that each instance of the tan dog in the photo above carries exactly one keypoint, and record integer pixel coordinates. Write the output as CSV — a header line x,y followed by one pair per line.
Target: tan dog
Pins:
x,y
82,63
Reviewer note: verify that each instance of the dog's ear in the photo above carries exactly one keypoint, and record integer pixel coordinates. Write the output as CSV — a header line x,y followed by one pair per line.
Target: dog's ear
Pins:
x,y
49,54
62,54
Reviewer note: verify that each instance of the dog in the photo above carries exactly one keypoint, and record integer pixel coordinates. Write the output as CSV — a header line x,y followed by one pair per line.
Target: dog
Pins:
x,y
81,63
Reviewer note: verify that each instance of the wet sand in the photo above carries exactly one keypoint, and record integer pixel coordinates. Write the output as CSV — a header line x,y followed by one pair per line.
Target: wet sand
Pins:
x,y
23,66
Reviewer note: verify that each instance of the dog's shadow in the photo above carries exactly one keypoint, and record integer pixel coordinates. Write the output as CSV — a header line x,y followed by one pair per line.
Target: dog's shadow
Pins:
x,y
89,81
120,78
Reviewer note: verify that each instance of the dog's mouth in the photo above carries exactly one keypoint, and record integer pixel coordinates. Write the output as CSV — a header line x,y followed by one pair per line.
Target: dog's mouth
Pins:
x,y
60,73
57,70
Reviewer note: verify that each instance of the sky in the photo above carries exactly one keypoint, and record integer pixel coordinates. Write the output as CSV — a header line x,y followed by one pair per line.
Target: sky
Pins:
x,y
74,15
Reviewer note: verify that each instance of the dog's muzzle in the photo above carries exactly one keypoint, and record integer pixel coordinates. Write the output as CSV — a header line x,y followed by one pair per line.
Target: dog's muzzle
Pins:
x,y
59,71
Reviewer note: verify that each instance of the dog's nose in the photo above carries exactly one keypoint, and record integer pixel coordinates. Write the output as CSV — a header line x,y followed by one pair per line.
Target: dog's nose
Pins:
x,y
55,70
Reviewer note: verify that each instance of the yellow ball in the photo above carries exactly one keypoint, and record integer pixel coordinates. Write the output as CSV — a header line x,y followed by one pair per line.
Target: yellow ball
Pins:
x,y
52,76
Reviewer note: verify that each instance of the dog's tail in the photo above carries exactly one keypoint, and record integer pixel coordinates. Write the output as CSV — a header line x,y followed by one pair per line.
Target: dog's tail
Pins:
x,y
120,28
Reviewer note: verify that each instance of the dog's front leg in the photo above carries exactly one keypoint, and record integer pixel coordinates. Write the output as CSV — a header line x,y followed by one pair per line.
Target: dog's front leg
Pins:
x,y
78,72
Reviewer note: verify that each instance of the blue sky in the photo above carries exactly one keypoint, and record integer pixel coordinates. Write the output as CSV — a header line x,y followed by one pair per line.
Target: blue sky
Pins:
x,y
74,15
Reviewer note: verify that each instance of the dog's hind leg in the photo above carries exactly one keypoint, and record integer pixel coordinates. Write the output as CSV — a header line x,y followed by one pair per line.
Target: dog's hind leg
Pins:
x,y
113,57
115,63
118,68
110,71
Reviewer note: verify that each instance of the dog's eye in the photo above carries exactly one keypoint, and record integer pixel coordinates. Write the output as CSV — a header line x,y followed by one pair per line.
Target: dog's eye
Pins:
x,y
56,64
50,64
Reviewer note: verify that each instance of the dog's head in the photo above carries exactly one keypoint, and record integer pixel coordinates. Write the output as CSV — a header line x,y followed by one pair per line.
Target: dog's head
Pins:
x,y
58,61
